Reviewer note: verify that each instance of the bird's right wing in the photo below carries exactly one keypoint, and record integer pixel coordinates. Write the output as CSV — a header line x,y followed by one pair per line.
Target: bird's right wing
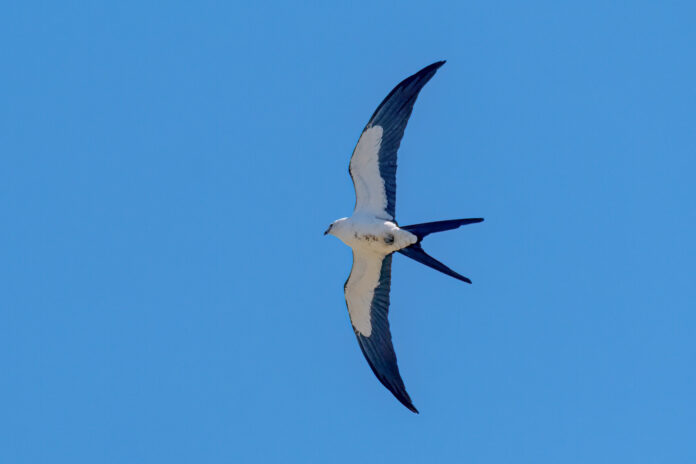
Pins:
x,y
367,298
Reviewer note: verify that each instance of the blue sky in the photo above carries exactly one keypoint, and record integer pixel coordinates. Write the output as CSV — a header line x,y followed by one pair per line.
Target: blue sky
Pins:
x,y
167,171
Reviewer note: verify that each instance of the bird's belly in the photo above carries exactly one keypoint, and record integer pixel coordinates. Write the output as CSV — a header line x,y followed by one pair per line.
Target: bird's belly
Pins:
x,y
382,240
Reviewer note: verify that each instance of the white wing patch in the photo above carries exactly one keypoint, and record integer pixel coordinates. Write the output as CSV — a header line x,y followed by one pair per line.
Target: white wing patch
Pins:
x,y
360,289
370,194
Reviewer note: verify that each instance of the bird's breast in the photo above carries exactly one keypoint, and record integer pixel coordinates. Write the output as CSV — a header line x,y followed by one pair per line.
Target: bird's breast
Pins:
x,y
384,237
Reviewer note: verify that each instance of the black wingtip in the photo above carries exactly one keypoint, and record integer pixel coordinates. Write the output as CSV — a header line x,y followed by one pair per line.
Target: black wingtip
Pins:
x,y
434,67
406,401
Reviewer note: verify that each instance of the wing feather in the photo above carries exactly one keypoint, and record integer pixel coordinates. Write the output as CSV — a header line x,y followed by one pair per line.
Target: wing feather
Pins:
x,y
367,298
374,161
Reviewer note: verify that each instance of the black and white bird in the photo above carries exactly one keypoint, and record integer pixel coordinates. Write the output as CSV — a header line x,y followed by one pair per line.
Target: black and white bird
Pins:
x,y
374,235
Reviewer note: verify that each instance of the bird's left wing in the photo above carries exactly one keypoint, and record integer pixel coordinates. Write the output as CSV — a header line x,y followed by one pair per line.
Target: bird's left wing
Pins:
x,y
367,298
373,164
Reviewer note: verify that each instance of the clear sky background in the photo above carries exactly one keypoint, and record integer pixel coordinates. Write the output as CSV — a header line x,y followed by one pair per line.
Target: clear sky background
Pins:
x,y
167,171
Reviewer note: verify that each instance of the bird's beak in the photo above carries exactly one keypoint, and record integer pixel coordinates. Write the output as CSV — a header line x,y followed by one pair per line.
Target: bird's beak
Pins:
x,y
327,230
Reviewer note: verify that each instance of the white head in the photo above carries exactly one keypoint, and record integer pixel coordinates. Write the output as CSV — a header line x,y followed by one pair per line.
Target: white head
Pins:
x,y
336,227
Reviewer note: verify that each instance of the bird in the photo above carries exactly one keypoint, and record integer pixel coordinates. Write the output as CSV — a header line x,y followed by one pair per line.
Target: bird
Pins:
x,y
374,235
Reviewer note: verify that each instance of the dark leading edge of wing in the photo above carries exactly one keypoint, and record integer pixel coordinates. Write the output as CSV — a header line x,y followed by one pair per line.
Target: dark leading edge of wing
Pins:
x,y
378,348
392,115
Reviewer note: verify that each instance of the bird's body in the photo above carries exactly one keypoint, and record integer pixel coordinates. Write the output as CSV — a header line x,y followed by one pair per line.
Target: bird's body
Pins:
x,y
367,233
373,234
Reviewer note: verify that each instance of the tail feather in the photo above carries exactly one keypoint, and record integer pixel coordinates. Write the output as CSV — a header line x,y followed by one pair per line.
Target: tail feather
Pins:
x,y
427,228
417,253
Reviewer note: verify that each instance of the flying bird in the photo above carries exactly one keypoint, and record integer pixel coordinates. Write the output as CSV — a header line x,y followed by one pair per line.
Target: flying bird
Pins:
x,y
374,235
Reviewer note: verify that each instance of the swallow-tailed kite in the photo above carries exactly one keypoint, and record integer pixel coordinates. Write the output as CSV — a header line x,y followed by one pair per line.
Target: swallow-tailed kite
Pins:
x,y
373,234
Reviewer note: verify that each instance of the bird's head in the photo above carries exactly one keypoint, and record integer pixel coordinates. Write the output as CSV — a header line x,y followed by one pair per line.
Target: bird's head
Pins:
x,y
335,227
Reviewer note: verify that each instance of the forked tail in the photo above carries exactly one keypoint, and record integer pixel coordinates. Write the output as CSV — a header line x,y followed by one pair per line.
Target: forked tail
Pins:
x,y
417,253
427,228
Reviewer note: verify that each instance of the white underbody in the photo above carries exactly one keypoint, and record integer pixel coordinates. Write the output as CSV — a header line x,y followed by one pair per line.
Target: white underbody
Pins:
x,y
365,233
